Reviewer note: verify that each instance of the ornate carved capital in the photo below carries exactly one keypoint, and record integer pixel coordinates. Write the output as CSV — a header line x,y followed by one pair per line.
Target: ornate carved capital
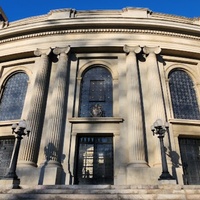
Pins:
x,y
59,50
39,52
135,49
148,50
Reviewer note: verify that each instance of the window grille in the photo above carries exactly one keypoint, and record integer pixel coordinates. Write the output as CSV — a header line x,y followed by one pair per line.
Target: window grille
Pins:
x,y
96,93
183,96
12,97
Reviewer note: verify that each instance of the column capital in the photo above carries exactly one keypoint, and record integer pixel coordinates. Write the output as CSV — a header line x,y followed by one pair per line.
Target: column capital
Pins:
x,y
39,52
135,49
59,50
148,50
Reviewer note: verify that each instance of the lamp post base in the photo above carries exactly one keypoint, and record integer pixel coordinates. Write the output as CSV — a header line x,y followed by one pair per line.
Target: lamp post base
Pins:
x,y
166,176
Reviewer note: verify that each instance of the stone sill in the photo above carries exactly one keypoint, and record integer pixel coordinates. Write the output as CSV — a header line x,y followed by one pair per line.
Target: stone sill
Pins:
x,y
96,120
9,122
184,121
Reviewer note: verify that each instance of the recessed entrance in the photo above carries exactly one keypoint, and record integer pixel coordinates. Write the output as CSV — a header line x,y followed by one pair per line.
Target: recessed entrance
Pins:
x,y
94,160
190,155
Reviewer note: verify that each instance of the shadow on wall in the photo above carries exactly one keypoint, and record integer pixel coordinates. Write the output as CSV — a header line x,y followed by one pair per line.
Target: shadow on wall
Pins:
x,y
51,154
174,156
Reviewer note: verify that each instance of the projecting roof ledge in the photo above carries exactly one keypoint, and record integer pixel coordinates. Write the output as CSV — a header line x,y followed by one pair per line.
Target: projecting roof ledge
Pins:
x,y
136,12
61,14
196,21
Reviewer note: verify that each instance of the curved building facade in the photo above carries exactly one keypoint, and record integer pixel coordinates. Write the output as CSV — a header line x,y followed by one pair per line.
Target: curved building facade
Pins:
x,y
91,84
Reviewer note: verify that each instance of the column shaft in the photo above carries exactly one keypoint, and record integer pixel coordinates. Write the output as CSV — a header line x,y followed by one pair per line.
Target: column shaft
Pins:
x,y
135,125
155,98
30,145
56,118
154,83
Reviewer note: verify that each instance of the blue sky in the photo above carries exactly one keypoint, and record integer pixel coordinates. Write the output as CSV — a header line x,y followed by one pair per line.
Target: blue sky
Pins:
x,y
19,9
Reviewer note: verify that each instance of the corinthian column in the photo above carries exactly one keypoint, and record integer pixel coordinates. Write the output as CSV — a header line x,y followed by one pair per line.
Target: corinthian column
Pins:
x,y
56,118
135,125
155,98
30,146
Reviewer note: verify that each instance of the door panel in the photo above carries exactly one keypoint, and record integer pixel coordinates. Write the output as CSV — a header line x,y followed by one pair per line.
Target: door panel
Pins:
x,y
95,160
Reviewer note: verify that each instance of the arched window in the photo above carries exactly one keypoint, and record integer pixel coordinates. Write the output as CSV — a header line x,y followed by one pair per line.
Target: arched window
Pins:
x,y
12,96
183,96
96,96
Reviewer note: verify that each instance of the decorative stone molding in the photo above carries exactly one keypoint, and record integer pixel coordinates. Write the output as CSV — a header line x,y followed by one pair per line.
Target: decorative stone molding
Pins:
x,y
174,18
59,50
39,52
135,49
74,31
96,120
148,50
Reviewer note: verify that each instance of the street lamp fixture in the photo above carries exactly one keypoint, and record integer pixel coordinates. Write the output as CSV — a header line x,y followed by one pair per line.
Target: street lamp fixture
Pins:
x,y
20,129
159,129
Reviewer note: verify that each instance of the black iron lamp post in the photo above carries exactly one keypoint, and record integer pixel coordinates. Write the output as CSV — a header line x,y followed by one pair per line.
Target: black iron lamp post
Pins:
x,y
159,129
20,129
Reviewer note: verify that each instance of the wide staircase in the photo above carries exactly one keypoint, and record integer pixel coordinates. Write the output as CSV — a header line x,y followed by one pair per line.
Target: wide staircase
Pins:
x,y
103,192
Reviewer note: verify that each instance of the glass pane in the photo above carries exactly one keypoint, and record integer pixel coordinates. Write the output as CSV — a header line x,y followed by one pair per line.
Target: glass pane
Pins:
x,y
183,96
95,160
13,95
96,93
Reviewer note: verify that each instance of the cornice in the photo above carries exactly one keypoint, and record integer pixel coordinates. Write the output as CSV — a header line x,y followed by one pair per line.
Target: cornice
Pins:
x,y
129,13
175,18
104,30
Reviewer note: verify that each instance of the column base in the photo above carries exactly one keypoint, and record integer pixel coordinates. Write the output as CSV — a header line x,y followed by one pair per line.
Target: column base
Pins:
x,y
52,175
26,164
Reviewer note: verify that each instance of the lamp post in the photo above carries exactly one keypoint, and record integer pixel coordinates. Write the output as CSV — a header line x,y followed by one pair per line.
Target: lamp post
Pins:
x,y
20,129
159,129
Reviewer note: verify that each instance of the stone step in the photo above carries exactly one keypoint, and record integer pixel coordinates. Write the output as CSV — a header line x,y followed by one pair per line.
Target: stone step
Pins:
x,y
29,196
101,192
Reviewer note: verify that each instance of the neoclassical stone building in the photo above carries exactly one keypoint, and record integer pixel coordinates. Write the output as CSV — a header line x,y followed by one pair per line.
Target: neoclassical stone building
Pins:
x,y
91,84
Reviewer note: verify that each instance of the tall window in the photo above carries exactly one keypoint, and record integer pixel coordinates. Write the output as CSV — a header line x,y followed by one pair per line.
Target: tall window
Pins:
x,y
12,96
183,96
96,93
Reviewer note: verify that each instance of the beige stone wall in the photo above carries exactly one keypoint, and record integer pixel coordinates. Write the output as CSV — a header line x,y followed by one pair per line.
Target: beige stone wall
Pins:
x,y
100,37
